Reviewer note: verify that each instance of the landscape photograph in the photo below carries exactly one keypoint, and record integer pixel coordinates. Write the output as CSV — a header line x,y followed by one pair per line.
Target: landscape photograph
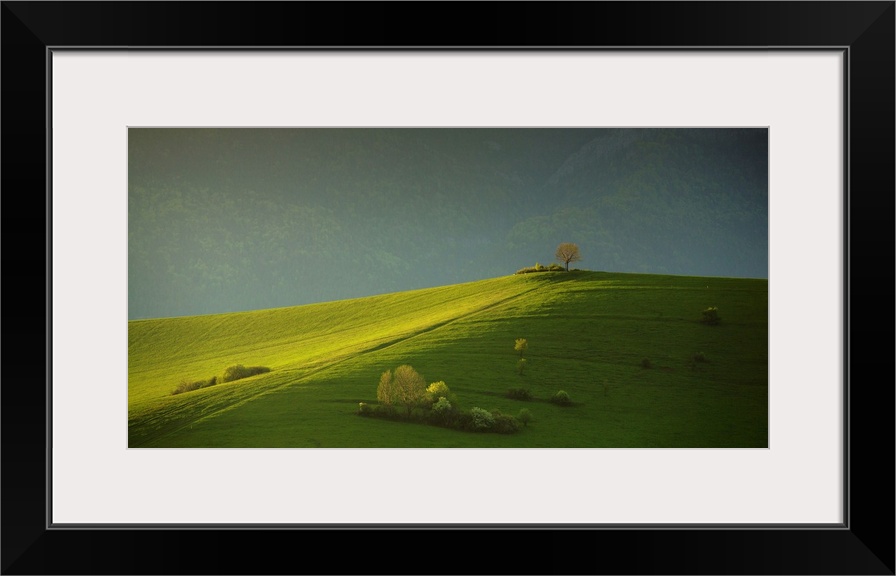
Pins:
x,y
448,288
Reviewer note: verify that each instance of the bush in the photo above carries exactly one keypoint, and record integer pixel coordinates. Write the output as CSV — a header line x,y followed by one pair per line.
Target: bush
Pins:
x,y
462,421
699,357
187,386
184,386
377,411
385,411
524,416
539,268
711,316
519,394
504,423
238,372
444,414
646,363
437,390
561,398
481,419
441,405
442,410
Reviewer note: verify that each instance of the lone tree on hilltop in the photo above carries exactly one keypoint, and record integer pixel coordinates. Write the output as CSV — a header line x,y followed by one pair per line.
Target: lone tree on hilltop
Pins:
x,y
568,252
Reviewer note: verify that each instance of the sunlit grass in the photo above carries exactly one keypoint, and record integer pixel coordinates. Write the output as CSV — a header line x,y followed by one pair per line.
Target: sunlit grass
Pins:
x,y
587,333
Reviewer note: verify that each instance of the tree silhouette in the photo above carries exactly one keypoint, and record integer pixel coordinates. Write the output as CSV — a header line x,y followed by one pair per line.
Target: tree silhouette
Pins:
x,y
568,252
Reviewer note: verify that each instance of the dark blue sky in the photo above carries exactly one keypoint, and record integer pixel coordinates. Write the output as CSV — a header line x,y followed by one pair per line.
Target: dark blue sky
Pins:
x,y
235,219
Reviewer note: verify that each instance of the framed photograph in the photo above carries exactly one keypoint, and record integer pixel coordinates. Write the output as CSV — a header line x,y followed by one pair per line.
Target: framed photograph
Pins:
x,y
427,318
111,109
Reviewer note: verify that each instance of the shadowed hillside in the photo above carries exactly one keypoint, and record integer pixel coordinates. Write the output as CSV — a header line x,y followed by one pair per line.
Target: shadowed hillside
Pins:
x,y
631,351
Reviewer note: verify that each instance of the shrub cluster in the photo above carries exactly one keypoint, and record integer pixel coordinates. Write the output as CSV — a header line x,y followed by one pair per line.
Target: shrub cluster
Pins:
x,y
239,372
232,373
539,268
711,316
378,410
646,363
442,408
482,419
561,398
444,414
438,391
435,405
187,386
519,394
504,423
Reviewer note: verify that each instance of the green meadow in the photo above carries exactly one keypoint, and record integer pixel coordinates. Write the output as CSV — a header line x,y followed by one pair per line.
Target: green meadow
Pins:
x,y
588,333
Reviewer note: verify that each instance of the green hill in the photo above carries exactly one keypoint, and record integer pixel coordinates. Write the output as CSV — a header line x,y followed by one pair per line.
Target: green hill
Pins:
x,y
589,334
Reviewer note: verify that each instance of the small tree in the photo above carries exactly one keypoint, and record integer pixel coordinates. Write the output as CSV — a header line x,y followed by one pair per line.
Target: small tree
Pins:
x,y
408,387
524,416
384,389
521,346
568,252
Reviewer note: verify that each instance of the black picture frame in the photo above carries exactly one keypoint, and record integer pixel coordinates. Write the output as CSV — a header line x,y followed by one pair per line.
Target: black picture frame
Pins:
x,y
864,544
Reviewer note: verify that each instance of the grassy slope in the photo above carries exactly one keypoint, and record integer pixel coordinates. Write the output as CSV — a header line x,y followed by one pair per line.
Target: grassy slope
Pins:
x,y
587,333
